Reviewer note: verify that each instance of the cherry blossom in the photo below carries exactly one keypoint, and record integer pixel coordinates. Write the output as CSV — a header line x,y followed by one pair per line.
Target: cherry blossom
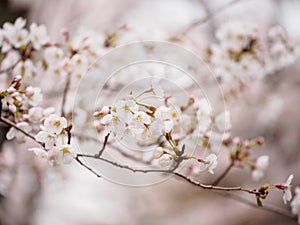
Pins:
x,y
65,154
210,162
223,121
38,35
165,160
261,165
55,124
287,189
47,138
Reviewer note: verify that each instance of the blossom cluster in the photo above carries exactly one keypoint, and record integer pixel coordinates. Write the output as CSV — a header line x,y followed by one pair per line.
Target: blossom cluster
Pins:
x,y
180,132
29,52
175,128
53,135
242,53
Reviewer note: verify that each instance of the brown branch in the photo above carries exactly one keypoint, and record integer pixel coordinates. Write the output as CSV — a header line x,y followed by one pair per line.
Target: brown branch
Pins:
x,y
104,145
216,188
203,186
86,166
120,165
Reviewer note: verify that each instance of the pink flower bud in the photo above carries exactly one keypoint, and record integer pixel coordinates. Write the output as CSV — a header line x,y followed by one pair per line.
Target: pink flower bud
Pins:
x,y
11,90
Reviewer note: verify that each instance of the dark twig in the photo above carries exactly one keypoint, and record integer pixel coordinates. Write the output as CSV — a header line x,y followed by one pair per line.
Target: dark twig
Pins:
x,y
104,145
86,166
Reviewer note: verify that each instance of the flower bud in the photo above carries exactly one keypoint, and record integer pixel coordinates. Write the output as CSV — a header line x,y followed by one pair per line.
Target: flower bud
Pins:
x,y
165,160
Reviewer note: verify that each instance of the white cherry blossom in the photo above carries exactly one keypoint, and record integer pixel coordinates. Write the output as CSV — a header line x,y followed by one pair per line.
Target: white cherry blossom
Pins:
x,y
38,35
287,190
47,138
53,55
261,165
65,154
165,160
54,124
222,121
211,162
125,110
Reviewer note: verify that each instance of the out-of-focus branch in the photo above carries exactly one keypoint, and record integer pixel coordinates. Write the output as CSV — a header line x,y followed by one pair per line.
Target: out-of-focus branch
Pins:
x,y
64,97
203,20
266,207
11,67
189,180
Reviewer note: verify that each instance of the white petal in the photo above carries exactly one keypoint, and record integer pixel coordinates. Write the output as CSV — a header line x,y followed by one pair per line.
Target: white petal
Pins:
x,y
11,133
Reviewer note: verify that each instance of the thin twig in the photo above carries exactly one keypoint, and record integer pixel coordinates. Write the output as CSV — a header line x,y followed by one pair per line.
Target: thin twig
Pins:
x,y
204,186
222,176
120,165
206,18
216,188
64,97
86,166
104,145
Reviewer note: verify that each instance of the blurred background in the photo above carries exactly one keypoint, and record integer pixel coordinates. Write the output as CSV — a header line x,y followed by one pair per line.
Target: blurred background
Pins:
x,y
269,107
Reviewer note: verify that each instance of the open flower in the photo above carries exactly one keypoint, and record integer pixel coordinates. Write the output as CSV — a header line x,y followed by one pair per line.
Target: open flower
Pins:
x,y
165,160
65,154
38,35
261,165
54,124
211,162
287,189
125,110
222,121
47,138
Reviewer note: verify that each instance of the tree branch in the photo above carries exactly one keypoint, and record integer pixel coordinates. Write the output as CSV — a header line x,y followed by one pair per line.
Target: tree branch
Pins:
x,y
64,97
206,18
